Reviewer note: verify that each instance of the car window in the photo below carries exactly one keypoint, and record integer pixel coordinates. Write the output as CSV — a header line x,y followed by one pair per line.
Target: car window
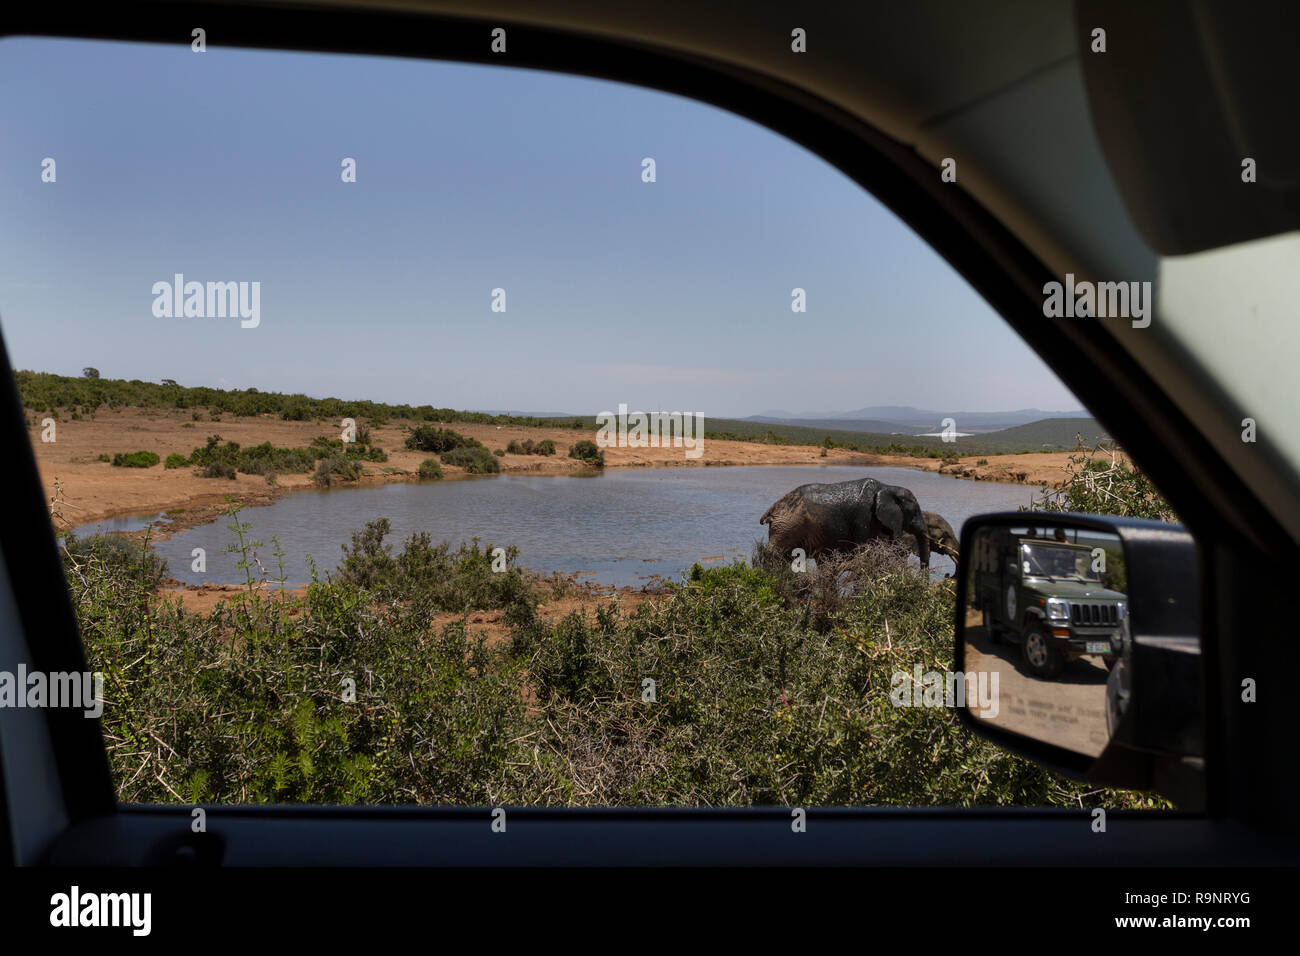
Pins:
x,y
1052,562
442,434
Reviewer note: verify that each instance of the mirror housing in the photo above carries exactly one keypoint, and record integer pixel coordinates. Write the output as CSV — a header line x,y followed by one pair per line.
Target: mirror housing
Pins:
x,y
1154,692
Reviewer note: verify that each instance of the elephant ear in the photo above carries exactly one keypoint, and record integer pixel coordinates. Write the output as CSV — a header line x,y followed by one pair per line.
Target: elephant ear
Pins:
x,y
888,512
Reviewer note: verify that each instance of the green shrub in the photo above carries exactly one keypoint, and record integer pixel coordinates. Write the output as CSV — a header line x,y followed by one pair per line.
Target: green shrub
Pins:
x,y
515,447
429,575
175,460
337,467
115,555
499,452
218,469
438,440
586,450
214,451
322,445
367,564
430,469
263,459
544,447
104,456
477,461
135,459
1102,481
710,581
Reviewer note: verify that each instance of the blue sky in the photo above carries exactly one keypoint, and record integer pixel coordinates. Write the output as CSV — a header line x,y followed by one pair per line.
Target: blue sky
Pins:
x,y
226,166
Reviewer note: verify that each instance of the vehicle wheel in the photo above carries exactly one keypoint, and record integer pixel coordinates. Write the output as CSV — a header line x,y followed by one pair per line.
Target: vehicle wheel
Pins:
x,y
1043,659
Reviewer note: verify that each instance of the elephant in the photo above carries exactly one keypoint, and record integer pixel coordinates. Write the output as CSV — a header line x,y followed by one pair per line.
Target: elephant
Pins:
x,y
942,538
826,518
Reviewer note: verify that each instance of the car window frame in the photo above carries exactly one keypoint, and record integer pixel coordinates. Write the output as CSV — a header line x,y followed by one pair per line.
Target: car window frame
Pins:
x,y
992,260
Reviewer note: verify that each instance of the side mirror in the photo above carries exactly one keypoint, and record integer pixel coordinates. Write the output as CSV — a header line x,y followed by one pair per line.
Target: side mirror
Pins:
x,y
1082,633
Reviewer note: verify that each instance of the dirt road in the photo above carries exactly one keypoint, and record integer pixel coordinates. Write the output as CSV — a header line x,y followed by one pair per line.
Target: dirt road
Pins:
x,y
1069,711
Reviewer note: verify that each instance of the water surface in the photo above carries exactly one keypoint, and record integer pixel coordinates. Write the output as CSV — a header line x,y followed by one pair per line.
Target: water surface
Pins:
x,y
622,527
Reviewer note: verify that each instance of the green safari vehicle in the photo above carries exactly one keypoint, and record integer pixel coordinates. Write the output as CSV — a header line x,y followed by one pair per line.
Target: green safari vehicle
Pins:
x,y
1046,594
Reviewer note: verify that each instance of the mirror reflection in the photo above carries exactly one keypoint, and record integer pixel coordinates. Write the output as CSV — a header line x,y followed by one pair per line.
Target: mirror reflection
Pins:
x,y
1046,614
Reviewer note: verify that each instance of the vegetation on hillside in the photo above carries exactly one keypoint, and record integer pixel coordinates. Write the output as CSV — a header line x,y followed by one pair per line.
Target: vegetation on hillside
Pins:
x,y
46,392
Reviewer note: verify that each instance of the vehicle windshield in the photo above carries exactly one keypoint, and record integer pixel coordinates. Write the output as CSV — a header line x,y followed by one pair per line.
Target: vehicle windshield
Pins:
x,y
1047,561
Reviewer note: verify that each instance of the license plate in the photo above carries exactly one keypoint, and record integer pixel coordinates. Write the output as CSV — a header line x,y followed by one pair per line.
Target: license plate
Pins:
x,y
1098,647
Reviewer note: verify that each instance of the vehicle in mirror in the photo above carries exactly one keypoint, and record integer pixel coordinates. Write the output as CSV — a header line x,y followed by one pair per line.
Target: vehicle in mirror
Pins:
x,y
1045,609
1085,629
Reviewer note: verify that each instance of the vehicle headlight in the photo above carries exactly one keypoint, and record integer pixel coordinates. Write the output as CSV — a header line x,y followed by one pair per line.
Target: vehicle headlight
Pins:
x,y
1058,609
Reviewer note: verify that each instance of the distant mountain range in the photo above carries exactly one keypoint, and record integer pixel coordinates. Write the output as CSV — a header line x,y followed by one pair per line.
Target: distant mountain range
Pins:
x,y
518,414
877,419
907,419
1043,434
